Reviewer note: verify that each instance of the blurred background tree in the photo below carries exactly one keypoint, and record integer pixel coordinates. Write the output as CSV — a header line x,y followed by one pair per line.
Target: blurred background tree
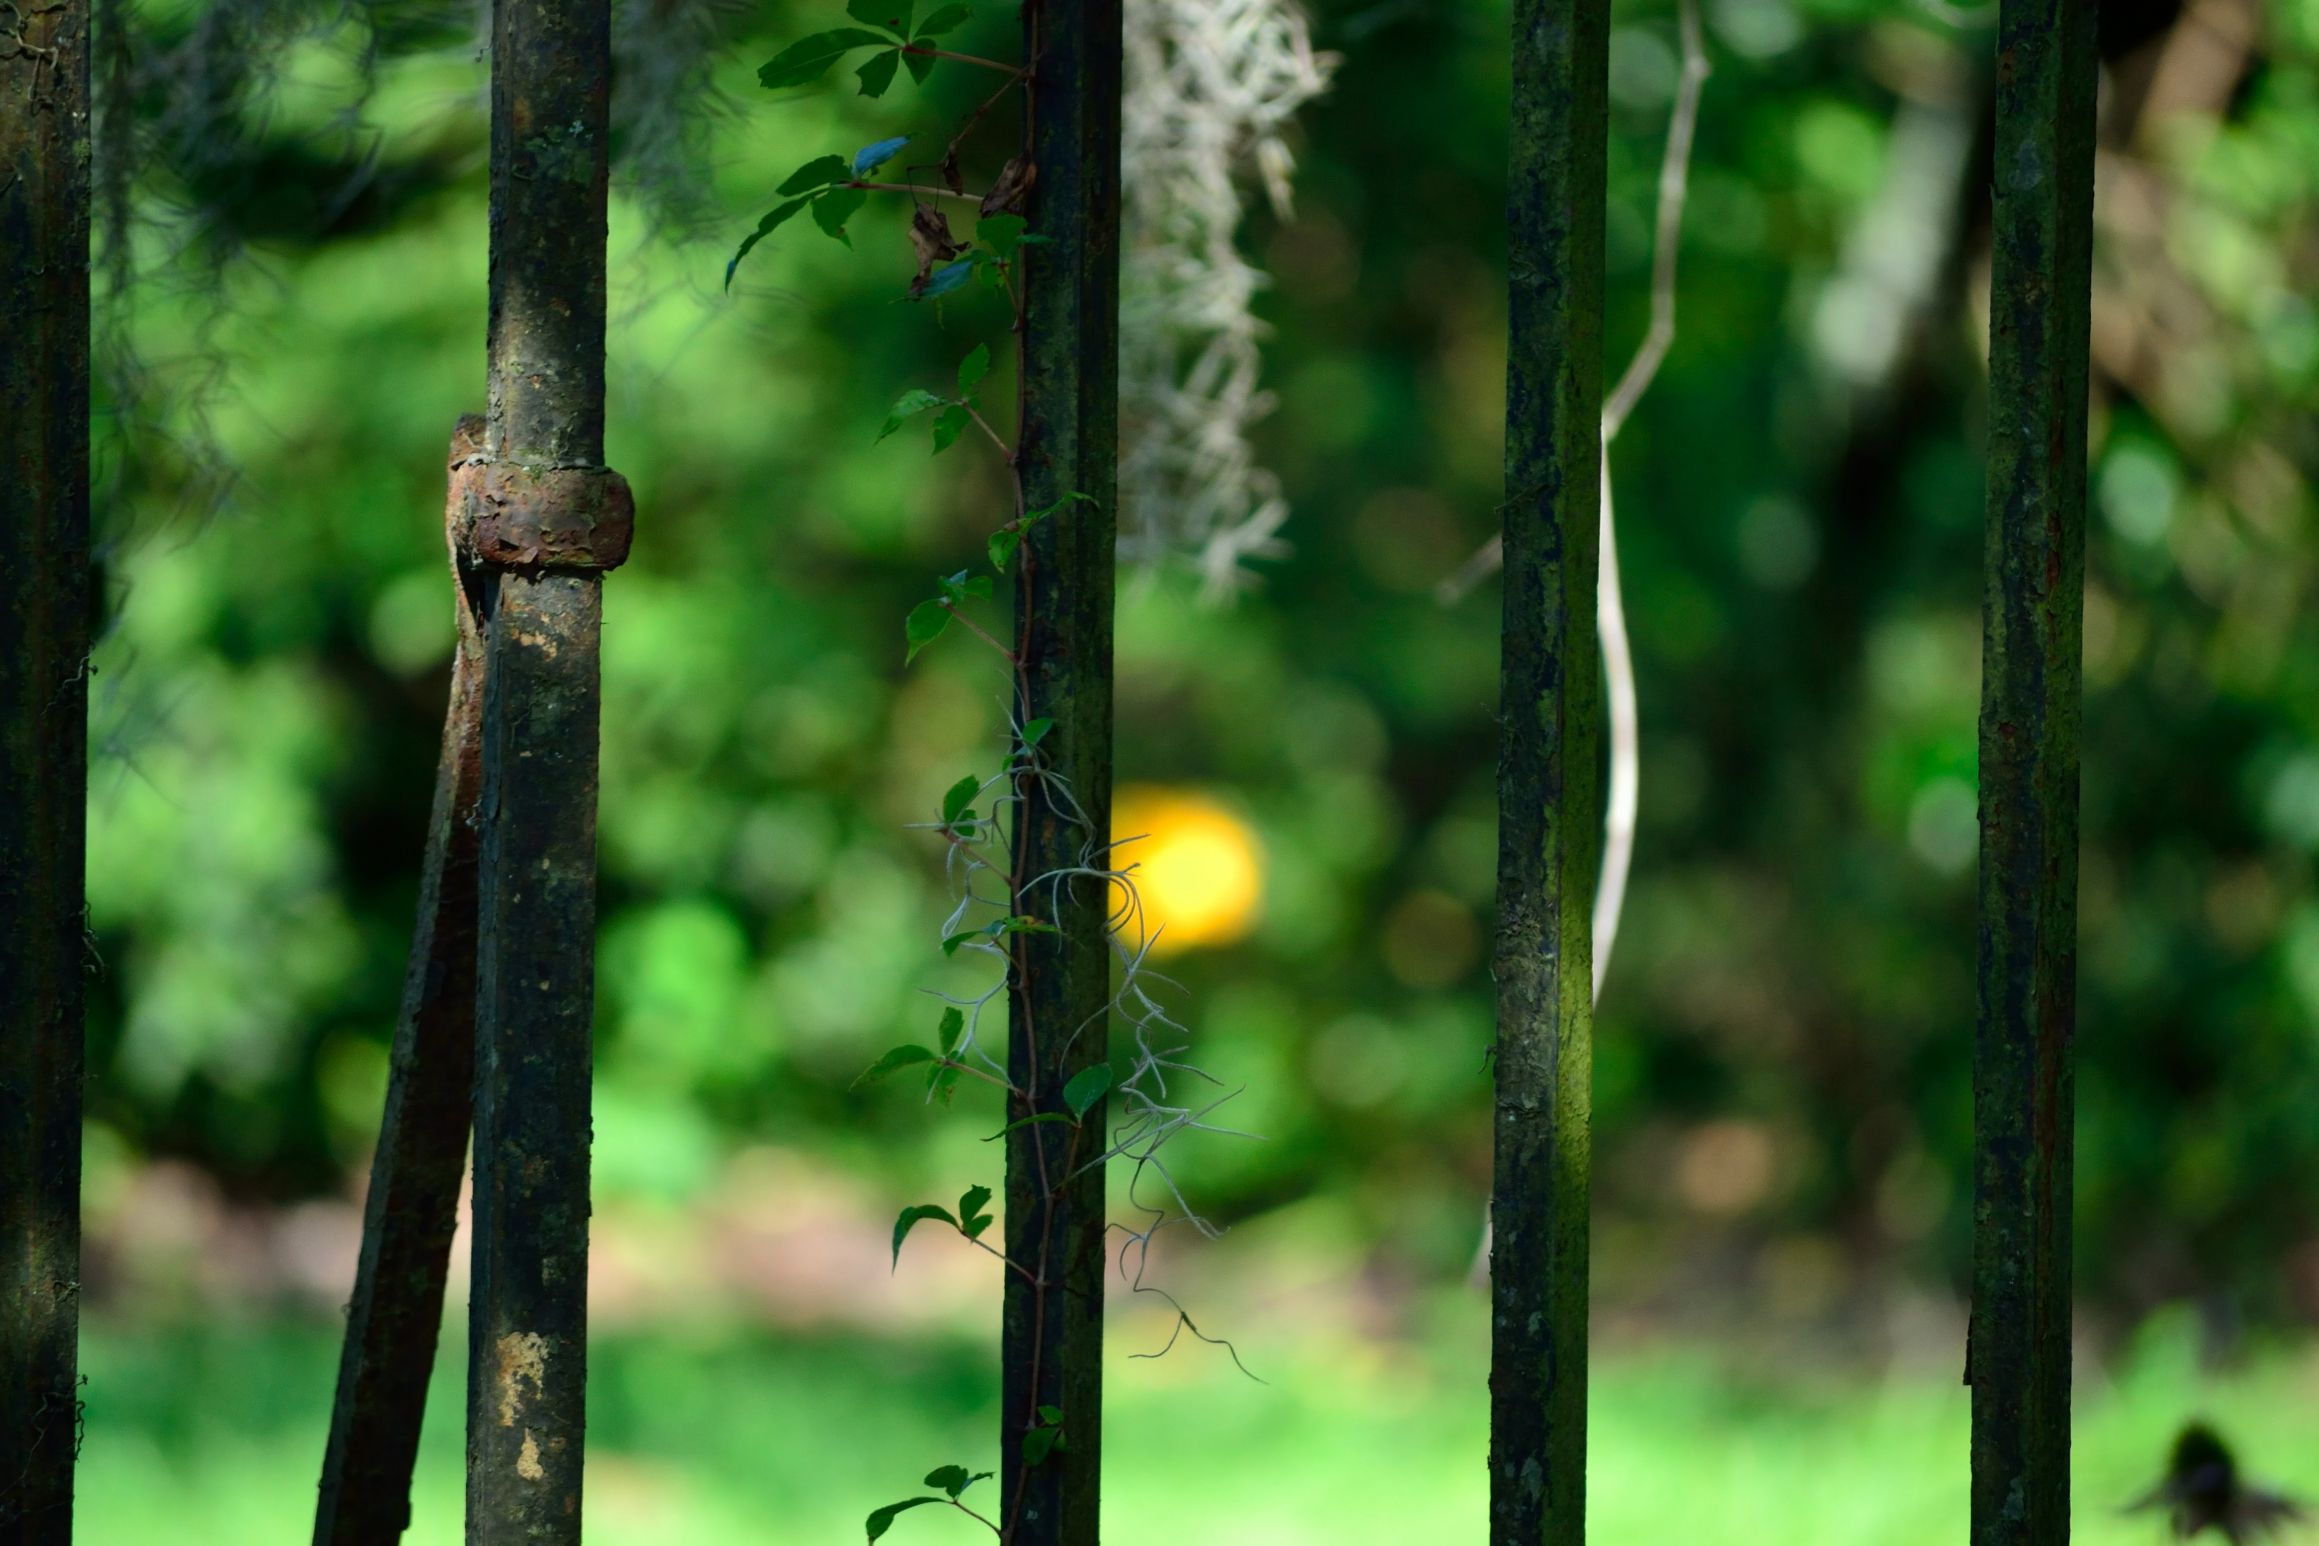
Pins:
x,y
296,315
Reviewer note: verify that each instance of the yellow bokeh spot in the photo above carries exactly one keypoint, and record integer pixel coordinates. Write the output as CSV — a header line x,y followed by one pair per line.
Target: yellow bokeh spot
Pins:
x,y
1196,865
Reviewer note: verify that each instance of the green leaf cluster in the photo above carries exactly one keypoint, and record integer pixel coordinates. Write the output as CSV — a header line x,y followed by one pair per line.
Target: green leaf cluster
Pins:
x,y
971,1219
952,1479
889,31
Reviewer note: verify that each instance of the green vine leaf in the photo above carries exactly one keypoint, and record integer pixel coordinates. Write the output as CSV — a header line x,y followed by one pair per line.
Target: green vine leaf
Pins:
x,y
1073,498
820,172
1087,1086
907,407
950,426
765,227
1035,730
942,1082
962,587
972,1221
911,1218
946,18
1044,1440
946,279
959,800
883,1520
1032,1120
1002,234
833,209
972,369
922,627
921,63
808,59
1003,543
893,15
895,1058
877,72
953,1026
953,1479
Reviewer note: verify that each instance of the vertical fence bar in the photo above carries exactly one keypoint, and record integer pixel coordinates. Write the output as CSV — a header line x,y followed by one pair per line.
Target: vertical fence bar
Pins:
x,y
2023,1082
1059,985
412,1206
545,495
1549,806
44,643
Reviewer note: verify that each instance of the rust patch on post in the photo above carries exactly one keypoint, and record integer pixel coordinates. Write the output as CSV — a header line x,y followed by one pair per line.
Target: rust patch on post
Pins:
x,y
523,1355
530,518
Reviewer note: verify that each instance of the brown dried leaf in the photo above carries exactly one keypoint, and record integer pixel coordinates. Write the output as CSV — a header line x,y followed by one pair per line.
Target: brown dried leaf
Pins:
x,y
930,238
1006,196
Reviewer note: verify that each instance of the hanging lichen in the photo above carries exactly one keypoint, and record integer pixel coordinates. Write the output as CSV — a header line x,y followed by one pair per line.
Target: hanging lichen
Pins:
x,y
1211,88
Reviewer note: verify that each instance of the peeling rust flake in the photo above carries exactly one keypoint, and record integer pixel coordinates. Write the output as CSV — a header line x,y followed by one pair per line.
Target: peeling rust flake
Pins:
x,y
523,1355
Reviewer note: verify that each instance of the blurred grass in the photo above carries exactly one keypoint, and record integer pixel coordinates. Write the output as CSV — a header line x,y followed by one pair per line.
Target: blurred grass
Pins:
x,y
732,1435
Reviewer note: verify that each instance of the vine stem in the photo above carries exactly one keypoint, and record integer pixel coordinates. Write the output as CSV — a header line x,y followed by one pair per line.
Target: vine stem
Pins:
x,y
1004,449
921,190
977,630
1617,648
1010,1262
973,59
980,1519
1622,797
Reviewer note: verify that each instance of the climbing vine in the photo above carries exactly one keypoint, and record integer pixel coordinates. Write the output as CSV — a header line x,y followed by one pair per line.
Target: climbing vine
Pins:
x,y
1026,847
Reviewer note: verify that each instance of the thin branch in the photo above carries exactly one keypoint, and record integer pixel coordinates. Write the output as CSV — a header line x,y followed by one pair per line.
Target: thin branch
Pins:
x,y
922,190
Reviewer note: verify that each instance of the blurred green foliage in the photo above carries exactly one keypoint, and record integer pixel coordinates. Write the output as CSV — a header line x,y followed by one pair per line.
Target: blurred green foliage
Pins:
x,y
1781,1074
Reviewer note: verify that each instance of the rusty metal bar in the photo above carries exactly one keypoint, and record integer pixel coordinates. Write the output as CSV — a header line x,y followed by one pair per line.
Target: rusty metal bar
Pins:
x,y
44,643
1059,985
1549,800
2018,1360
527,1372
397,1311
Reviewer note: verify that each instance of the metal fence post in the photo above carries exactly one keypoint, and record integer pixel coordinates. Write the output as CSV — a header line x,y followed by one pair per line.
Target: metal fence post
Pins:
x,y
44,643
1059,988
547,518
2018,1358
1549,807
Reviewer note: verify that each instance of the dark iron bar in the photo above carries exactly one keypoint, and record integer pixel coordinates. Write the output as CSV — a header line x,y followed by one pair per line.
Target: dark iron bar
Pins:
x,y
44,643
1549,801
408,1217
1060,985
2023,1098
531,517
